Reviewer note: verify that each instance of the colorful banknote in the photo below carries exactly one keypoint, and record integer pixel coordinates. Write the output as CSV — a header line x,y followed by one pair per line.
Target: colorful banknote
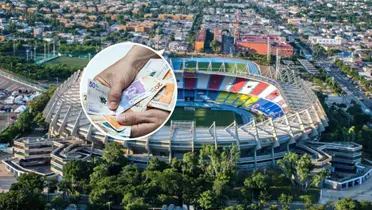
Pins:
x,y
154,87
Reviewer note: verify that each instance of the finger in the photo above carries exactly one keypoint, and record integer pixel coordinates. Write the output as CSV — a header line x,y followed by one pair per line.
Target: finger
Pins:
x,y
115,96
142,129
133,118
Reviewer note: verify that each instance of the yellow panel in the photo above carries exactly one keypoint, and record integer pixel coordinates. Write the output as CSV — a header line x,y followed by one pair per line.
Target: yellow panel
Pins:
x,y
232,97
221,97
242,99
251,100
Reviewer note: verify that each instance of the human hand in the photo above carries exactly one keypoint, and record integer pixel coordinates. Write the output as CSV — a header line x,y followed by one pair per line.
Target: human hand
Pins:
x,y
143,123
122,73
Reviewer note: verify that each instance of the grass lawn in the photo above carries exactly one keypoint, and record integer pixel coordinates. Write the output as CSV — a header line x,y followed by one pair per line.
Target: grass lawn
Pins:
x,y
204,117
215,66
70,61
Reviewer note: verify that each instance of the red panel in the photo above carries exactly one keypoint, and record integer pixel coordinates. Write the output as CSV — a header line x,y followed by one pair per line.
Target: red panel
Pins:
x,y
259,88
273,95
215,82
238,84
190,83
281,102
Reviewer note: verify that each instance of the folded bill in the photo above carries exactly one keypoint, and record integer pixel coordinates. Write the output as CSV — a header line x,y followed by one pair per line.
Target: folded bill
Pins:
x,y
157,68
107,128
165,99
155,85
114,123
97,99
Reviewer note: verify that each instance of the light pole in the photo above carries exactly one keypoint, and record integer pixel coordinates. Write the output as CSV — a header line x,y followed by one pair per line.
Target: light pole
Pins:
x,y
109,204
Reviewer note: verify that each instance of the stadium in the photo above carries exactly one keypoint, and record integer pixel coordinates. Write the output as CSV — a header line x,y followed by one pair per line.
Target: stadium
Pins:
x,y
221,101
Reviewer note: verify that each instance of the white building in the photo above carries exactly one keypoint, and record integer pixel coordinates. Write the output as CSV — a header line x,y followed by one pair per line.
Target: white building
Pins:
x,y
325,41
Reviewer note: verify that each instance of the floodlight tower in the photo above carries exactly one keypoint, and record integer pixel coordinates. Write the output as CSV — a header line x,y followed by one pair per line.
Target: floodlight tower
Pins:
x,y
44,51
236,26
268,50
277,65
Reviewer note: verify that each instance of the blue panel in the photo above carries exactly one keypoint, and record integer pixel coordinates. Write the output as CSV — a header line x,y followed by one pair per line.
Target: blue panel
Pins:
x,y
189,93
180,94
259,103
212,95
201,95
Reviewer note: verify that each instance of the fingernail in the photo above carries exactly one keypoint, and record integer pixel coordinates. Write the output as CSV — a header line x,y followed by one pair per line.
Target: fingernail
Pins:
x,y
112,104
120,118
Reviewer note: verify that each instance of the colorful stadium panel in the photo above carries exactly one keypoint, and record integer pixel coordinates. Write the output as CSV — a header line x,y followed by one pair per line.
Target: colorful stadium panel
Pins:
x,y
189,93
238,85
215,82
259,88
226,84
267,91
189,83
259,103
273,95
212,95
180,94
201,95
222,97
231,98
248,87
202,82
242,99
251,101
179,79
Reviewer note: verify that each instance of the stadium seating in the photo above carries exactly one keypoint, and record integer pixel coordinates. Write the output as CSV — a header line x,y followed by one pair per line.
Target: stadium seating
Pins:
x,y
236,99
203,80
215,82
236,91
259,88
226,84
190,83
238,85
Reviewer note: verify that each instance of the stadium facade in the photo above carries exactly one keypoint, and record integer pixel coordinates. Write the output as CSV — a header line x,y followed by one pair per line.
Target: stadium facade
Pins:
x,y
290,118
293,114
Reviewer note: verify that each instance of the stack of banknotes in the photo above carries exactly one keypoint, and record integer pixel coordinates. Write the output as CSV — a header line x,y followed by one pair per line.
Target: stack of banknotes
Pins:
x,y
153,87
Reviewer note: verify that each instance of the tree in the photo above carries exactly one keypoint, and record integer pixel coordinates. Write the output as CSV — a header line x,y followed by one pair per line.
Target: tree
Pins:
x,y
207,200
347,204
216,46
218,163
308,202
59,203
257,183
288,166
30,181
113,155
22,199
51,184
297,169
285,201
77,170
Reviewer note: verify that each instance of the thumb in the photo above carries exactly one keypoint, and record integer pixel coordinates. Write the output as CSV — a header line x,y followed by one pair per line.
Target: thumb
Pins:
x,y
115,96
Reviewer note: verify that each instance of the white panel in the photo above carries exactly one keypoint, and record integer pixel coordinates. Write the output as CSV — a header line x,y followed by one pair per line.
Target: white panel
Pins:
x,y
203,80
277,99
267,91
227,83
179,79
248,87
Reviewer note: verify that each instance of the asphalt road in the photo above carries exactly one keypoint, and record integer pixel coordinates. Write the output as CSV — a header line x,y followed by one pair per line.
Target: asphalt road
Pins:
x,y
336,73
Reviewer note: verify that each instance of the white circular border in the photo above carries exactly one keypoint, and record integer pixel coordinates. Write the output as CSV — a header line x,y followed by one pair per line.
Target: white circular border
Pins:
x,y
82,95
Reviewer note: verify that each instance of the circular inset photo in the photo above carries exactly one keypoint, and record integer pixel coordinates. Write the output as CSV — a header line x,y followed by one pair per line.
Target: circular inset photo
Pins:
x,y
128,91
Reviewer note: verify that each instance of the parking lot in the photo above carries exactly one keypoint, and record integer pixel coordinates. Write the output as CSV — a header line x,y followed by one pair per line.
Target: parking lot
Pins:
x,y
13,97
